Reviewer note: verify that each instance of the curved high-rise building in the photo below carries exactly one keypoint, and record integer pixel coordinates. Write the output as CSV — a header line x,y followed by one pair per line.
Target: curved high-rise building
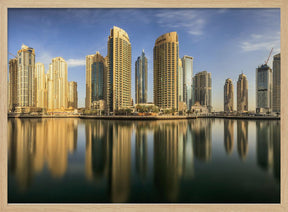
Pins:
x,y
228,96
119,66
242,93
166,55
26,84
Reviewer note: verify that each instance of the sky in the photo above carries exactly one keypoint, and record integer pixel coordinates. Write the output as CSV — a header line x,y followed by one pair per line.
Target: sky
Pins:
x,y
225,42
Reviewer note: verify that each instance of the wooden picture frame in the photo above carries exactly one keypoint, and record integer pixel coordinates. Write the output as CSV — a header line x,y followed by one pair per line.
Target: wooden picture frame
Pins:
x,y
5,4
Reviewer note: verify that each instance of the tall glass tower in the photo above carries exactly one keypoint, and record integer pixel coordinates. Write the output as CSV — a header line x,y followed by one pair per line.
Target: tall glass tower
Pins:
x,y
96,67
264,87
141,66
187,63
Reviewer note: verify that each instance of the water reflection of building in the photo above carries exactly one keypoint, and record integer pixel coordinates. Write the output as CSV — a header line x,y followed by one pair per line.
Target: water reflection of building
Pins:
x,y
228,135
242,138
96,156
141,151
276,150
108,154
201,135
34,142
188,155
120,161
168,153
268,146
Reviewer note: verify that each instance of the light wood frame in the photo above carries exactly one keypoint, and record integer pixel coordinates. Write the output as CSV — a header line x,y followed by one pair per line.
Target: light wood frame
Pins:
x,y
5,4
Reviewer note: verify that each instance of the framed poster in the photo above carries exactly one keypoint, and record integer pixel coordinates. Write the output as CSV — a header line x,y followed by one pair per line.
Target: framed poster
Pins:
x,y
79,154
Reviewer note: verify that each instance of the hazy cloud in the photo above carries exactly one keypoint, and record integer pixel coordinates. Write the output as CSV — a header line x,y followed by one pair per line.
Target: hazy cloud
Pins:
x,y
263,41
76,62
191,21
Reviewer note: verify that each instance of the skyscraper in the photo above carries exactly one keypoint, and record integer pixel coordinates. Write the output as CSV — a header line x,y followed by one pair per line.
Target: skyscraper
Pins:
x,y
119,66
40,85
26,83
202,83
59,88
264,88
72,94
141,66
228,96
180,81
166,55
96,67
50,88
276,83
13,79
187,63
242,93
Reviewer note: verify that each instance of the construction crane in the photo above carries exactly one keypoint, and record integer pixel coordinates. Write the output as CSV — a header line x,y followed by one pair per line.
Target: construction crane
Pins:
x,y
268,57
13,55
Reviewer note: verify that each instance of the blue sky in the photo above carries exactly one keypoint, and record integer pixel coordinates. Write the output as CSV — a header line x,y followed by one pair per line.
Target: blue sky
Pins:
x,y
225,42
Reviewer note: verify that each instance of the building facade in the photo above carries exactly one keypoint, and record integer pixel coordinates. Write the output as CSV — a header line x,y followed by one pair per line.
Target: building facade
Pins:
x,y
264,83
57,84
40,85
276,83
165,74
26,83
96,68
141,66
13,79
119,70
50,88
187,63
180,81
72,94
202,84
228,96
242,93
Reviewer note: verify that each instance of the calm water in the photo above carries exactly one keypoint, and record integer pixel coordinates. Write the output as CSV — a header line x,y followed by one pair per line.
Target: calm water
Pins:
x,y
185,161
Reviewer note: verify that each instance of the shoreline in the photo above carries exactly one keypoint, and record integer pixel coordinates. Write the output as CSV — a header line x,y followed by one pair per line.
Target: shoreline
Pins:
x,y
133,117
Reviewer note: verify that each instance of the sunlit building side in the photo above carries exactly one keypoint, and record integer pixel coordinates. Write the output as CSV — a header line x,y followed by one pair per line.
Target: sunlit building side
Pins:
x,y
228,96
119,66
40,85
165,71
26,83
242,93
72,94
